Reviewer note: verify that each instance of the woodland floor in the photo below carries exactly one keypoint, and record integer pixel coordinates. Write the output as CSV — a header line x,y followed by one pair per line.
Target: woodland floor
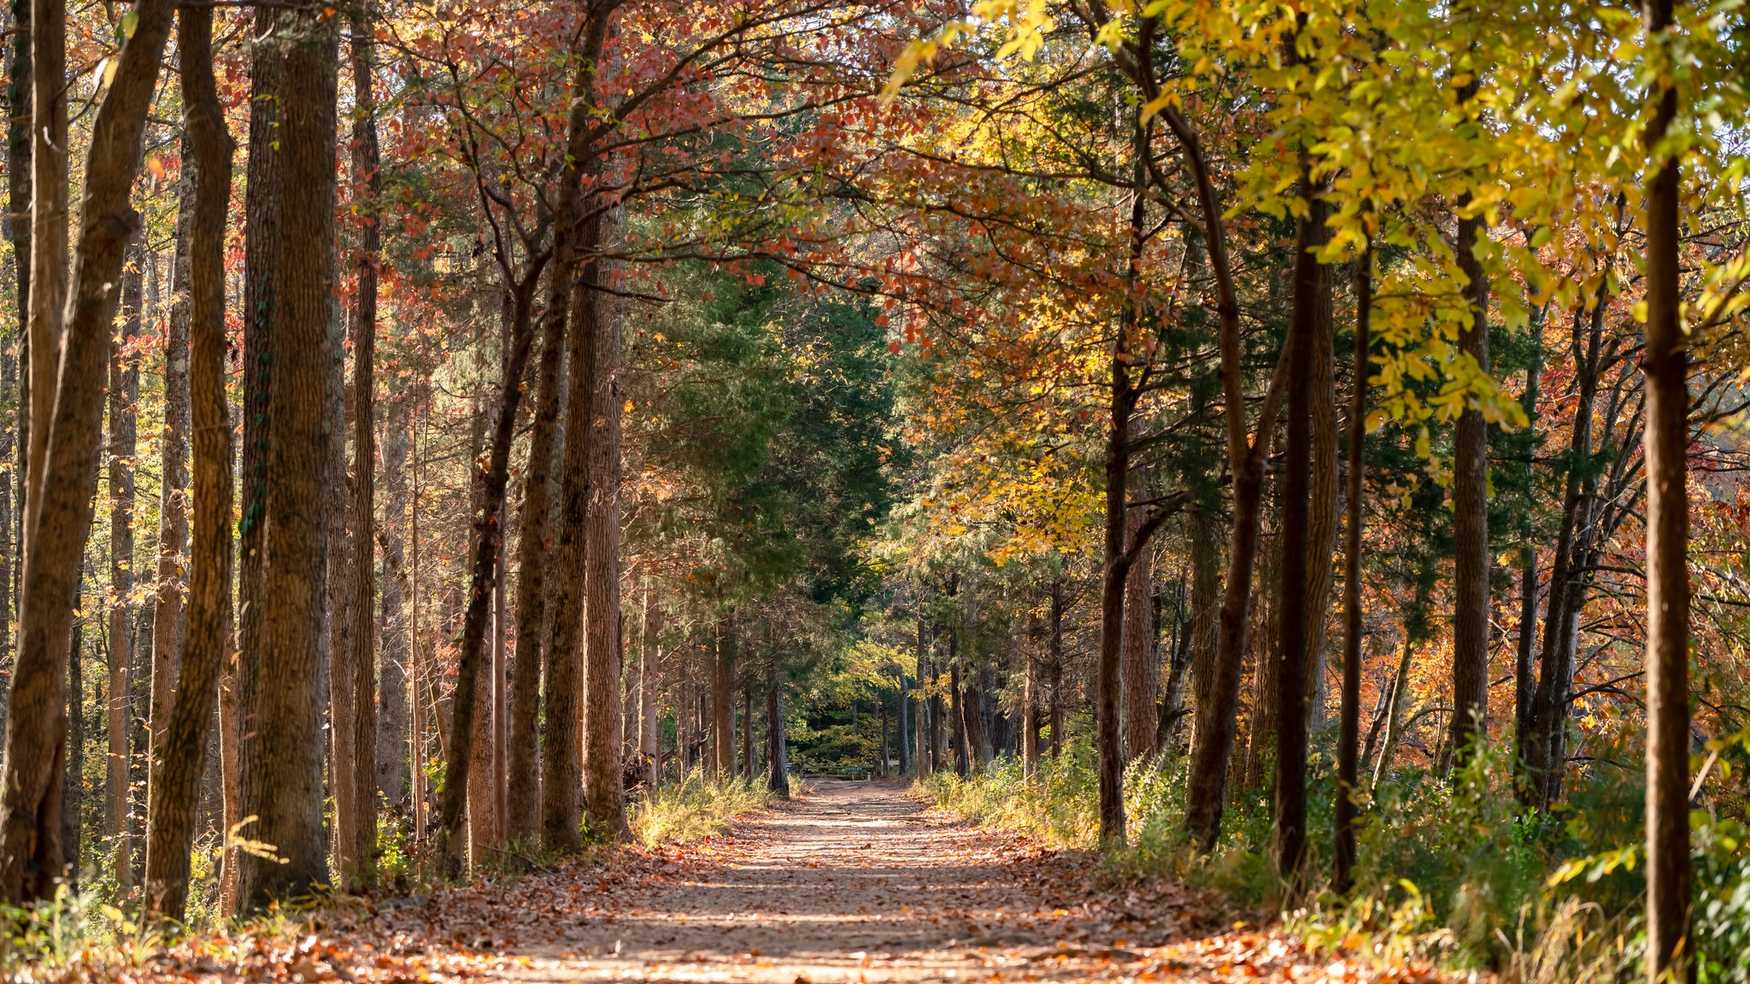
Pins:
x,y
853,882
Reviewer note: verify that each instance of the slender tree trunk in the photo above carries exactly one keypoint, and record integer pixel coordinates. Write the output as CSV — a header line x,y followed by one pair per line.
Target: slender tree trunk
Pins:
x,y
1056,636
1665,444
14,443
470,704
174,783
1349,716
367,184
338,616
394,655
73,780
1140,669
1309,321
124,394
778,776
69,355
1470,508
722,681
287,304
1524,679
167,613
1540,750
649,749
1394,715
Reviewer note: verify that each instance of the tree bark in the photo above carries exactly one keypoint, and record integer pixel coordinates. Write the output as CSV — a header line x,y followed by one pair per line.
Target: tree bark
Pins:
x,y
175,779
1349,714
778,774
14,443
394,780
1308,322
124,394
576,239
1141,668
167,614
367,183
469,706
1470,515
722,682
288,293
1665,444
1056,637
69,355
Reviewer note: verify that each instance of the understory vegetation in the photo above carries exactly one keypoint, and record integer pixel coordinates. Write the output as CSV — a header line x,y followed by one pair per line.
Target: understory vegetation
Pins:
x,y
1453,869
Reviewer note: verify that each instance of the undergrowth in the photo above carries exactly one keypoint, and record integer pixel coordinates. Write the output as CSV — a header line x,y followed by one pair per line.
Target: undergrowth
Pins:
x,y
1450,868
697,808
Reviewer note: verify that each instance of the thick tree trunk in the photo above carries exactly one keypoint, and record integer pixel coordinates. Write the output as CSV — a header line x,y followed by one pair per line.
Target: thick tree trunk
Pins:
x,y
124,394
1665,444
174,783
69,355
1349,714
576,239
599,311
287,307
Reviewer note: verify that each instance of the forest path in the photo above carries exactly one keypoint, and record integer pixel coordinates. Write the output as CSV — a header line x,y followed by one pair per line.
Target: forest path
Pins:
x,y
853,882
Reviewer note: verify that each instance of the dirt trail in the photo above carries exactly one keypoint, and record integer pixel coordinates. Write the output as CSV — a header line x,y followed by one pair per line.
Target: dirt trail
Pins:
x,y
854,882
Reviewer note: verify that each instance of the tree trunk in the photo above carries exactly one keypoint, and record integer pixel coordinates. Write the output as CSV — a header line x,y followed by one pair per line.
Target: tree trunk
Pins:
x,y
722,681
1665,445
469,744
1470,509
1540,750
124,395
1141,670
576,239
1030,696
778,776
1056,637
957,714
174,782
1349,715
338,617
167,614
73,780
1309,321
367,184
287,307
1524,678
17,221
69,355
1394,715
394,780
